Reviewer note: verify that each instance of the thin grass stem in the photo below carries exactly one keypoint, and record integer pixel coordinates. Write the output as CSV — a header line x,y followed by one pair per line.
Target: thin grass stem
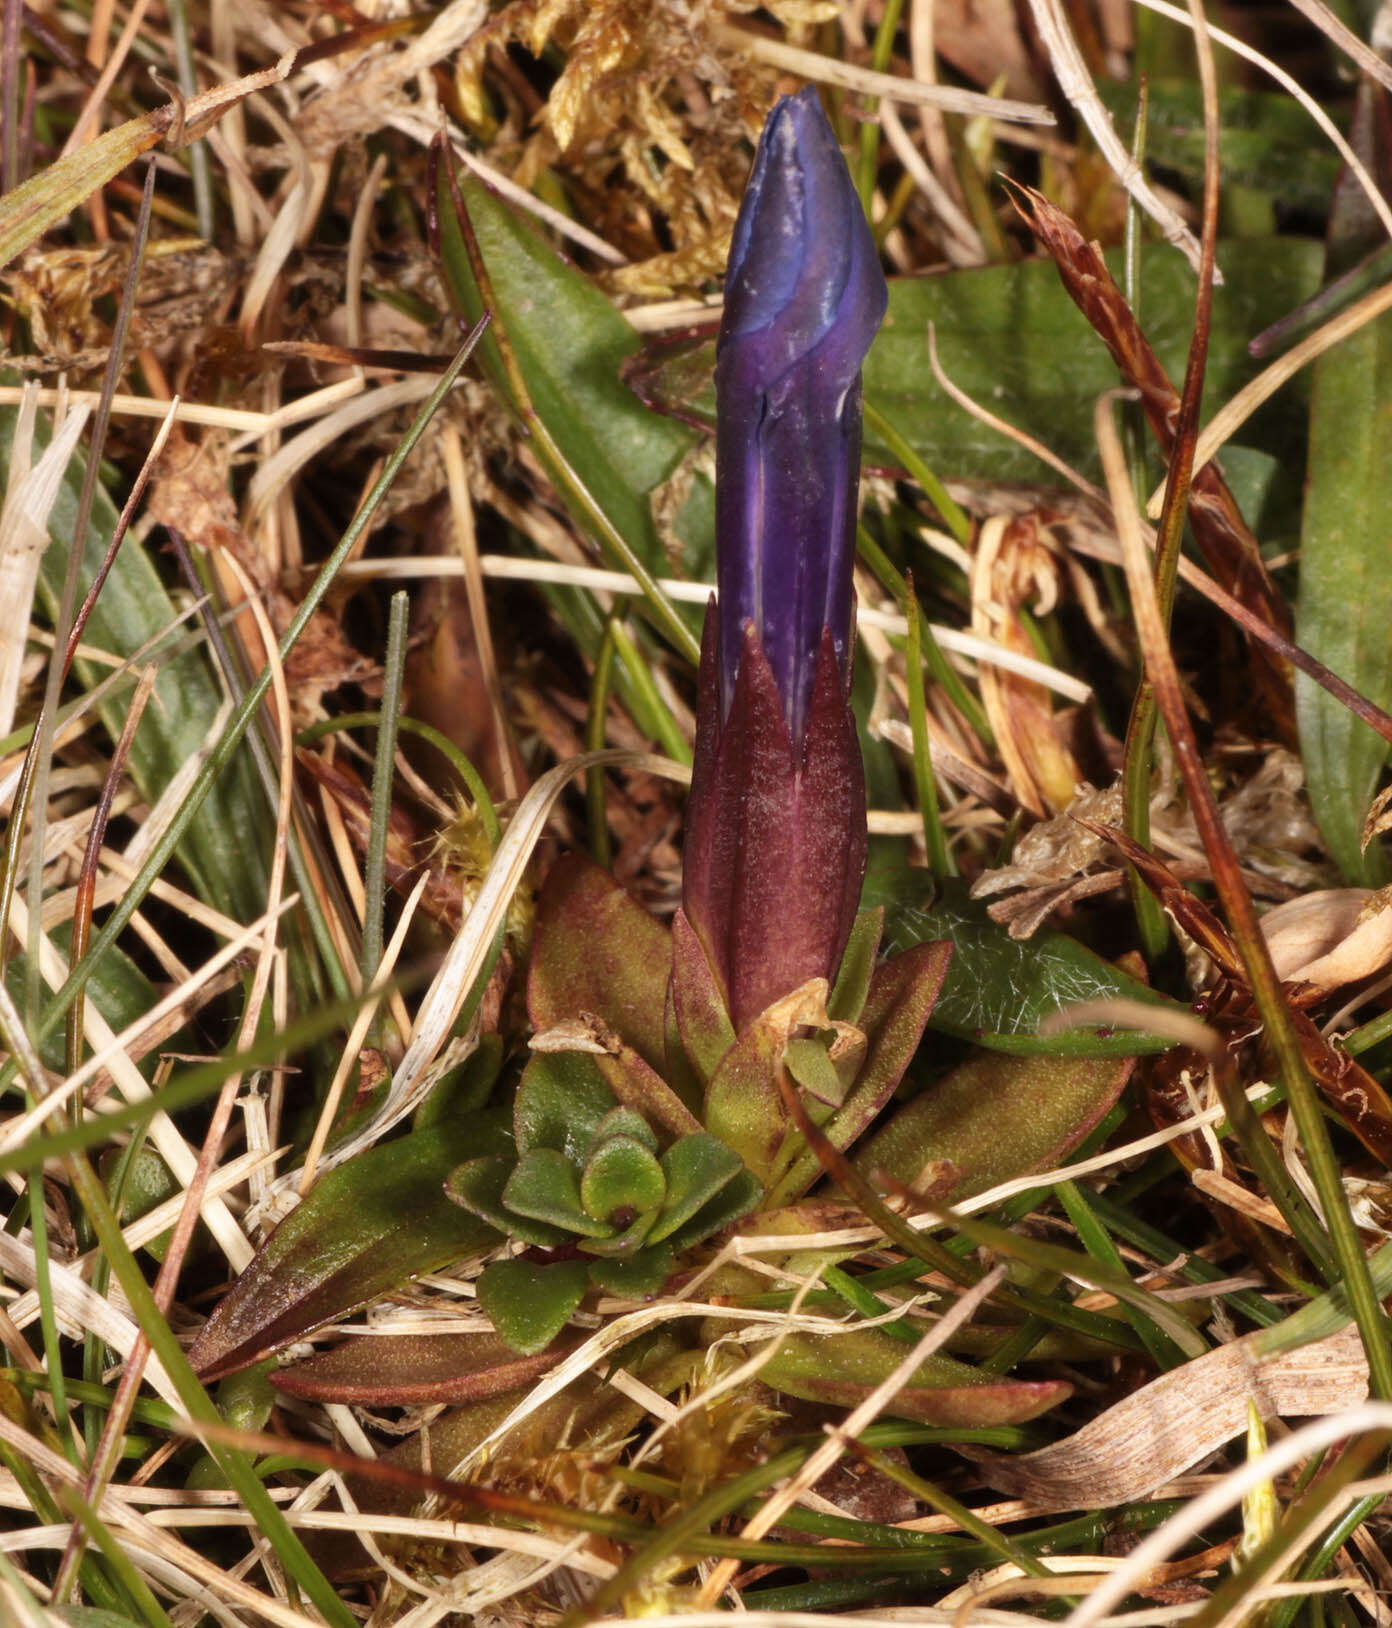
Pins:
x,y
940,860
596,796
384,770
953,515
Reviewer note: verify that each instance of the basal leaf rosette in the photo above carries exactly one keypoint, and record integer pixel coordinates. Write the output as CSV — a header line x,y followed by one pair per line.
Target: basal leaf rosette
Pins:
x,y
600,1193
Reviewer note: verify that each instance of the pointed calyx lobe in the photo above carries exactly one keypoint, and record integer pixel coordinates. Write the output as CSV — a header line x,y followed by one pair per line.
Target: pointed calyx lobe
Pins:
x,y
775,845
775,836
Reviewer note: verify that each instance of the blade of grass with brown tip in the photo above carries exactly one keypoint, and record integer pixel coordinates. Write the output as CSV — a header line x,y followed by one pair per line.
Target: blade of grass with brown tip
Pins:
x,y
1219,528
1242,917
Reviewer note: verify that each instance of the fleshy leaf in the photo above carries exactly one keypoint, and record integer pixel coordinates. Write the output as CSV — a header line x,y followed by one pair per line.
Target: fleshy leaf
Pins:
x,y
623,1245
639,1086
744,1107
529,1305
998,991
412,1370
545,1187
597,950
371,1225
561,1103
695,1168
678,1069
640,1275
622,1174
996,1117
843,1369
478,1185
627,1122
732,1203
810,1065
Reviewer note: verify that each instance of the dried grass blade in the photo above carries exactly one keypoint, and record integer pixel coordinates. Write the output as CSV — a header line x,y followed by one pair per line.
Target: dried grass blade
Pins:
x,y
163,850
1070,70
24,536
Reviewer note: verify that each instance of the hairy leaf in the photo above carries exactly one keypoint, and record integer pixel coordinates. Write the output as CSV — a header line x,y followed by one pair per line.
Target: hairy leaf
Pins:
x,y
369,1226
843,1369
997,991
996,1117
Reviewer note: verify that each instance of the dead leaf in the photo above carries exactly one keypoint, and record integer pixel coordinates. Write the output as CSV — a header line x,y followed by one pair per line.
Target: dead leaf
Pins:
x,y
1175,1422
1330,938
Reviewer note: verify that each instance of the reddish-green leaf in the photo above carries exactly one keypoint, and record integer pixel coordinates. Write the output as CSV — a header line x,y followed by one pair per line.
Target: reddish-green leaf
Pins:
x,y
414,1370
367,1227
597,950
843,1369
897,1008
996,1117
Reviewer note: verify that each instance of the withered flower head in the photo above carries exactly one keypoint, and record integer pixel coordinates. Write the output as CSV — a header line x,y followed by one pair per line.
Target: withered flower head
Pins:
x,y
775,848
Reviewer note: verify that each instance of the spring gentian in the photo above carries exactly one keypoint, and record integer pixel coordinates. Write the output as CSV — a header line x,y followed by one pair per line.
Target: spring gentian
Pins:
x,y
775,844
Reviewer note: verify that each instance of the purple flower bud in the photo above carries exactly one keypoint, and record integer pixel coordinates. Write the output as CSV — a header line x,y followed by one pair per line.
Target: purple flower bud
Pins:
x,y
804,297
775,843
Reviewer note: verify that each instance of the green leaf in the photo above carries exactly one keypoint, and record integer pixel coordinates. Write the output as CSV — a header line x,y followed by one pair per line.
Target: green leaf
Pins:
x,y
857,967
997,991
1268,141
806,1059
118,989
622,1174
696,1168
627,1122
996,1117
1012,339
478,1186
545,1187
561,1103
1344,610
371,1225
640,1275
843,1369
529,1305
570,343
732,1203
